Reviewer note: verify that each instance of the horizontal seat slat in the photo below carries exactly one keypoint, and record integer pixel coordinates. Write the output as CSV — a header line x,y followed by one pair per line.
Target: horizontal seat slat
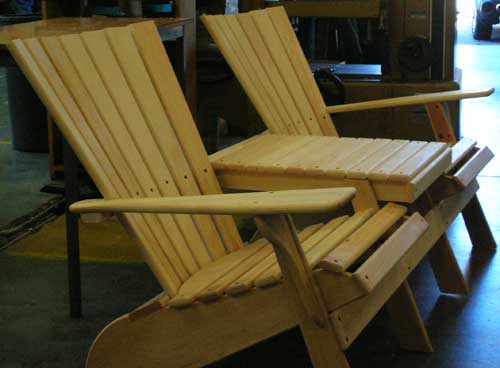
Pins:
x,y
343,256
207,276
459,150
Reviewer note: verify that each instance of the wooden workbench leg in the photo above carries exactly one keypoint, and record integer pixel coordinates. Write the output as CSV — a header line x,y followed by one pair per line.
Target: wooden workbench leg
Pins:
x,y
71,195
477,225
407,321
444,264
318,331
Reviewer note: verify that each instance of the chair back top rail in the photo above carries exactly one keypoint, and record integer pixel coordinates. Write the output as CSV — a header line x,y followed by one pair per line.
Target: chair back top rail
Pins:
x,y
265,55
114,95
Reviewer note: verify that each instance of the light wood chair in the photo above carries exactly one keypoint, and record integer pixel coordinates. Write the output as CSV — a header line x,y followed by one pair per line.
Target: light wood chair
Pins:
x,y
114,95
302,149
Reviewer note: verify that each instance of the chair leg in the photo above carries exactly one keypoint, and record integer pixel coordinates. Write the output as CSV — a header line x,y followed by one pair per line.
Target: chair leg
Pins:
x,y
409,326
477,225
319,335
448,274
322,345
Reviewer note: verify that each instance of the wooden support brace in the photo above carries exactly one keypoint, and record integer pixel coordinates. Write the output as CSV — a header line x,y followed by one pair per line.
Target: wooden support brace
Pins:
x,y
313,317
477,225
446,269
440,123
407,321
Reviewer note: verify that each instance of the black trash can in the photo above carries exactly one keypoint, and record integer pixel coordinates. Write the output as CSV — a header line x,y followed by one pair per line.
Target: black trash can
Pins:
x,y
28,116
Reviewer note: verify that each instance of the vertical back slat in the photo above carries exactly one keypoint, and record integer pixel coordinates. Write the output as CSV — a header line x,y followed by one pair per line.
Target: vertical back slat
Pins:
x,y
168,89
45,89
110,150
128,117
140,83
299,62
271,39
249,60
275,53
237,65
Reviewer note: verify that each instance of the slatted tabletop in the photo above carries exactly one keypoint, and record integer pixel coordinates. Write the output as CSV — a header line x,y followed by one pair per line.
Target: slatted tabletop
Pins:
x,y
340,158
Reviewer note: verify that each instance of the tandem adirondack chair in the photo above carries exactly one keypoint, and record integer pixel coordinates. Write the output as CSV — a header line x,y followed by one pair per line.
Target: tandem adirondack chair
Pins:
x,y
114,95
303,149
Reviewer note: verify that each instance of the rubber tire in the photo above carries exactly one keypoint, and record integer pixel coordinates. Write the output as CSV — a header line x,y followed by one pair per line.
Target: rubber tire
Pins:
x,y
482,31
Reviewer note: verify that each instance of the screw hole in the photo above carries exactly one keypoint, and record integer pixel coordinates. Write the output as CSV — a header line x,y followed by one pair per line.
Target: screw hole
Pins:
x,y
205,170
366,277
151,190
166,181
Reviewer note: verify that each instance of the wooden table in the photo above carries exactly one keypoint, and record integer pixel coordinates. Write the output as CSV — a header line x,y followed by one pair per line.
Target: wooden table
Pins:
x,y
170,29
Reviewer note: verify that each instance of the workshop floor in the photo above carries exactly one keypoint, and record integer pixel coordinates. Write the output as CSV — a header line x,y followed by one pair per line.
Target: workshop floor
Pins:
x,y
35,330
22,174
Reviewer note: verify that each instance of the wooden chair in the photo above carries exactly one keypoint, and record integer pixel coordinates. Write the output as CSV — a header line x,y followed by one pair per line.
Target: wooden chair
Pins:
x,y
303,149
114,95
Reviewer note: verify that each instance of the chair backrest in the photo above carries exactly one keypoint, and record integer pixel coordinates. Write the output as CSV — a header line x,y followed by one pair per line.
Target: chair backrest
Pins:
x,y
266,57
115,97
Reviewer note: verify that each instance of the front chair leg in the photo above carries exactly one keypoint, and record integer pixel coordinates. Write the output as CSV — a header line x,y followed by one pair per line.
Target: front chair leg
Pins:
x,y
406,318
477,225
318,331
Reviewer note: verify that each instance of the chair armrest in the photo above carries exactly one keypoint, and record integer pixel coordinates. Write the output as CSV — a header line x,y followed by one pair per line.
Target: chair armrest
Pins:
x,y
420,99
257,203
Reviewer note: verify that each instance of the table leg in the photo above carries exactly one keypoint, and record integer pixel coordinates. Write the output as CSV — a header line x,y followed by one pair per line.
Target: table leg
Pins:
x,y
71,195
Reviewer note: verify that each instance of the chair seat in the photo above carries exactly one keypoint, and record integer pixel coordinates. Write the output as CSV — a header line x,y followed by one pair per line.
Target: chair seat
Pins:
x,y
256,265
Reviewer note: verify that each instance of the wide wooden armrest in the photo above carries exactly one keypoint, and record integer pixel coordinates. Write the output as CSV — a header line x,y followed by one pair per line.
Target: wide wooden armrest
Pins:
x,y
257,203
420,99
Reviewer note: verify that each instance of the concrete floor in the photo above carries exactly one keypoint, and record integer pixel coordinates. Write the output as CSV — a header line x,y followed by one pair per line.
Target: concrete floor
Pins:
x,y
35,330
22,174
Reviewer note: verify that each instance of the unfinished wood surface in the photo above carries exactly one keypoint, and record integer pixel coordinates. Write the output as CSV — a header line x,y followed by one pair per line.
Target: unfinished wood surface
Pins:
x,y
407,321
382,171
440,123
362,169
281,22
353,247
268,61
321,240
350,319
365,195
201,286
420,99
262,313
418,161
430,174
477,226
290,201
471,169
449,277
379,160
460,150
373,270
314,320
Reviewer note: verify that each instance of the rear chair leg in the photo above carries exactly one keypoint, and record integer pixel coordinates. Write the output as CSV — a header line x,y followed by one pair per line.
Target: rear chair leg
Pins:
x,y
409,325
444,264
477,225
